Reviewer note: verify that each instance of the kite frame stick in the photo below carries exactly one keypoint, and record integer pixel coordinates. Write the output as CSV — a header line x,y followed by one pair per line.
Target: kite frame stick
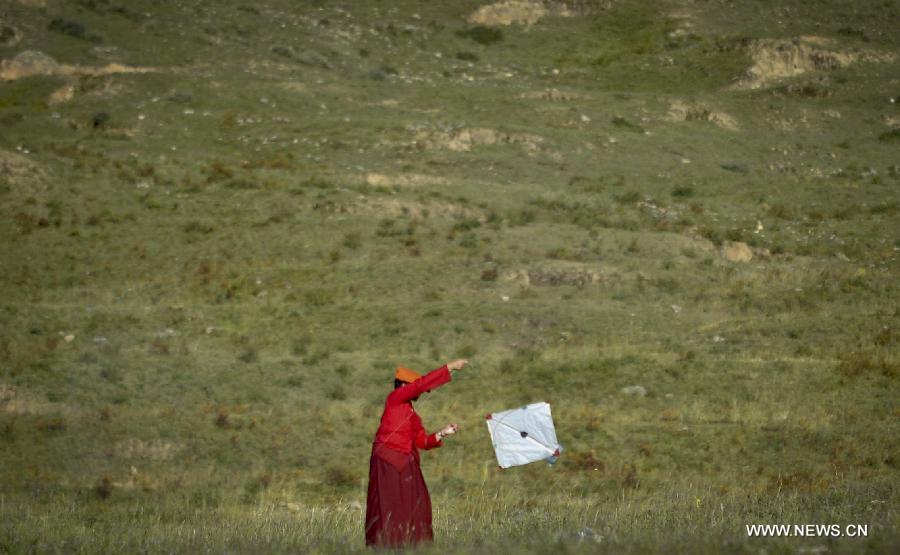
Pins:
x,y
552,451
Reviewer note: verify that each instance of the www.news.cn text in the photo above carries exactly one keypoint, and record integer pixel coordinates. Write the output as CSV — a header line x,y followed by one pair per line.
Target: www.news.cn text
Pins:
x,y
807,530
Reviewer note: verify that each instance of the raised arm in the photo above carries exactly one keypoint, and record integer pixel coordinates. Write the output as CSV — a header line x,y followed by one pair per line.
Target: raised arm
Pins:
x,y
429,381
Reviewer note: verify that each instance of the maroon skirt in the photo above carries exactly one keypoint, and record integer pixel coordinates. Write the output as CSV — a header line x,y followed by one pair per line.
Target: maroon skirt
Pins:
x,y
398,507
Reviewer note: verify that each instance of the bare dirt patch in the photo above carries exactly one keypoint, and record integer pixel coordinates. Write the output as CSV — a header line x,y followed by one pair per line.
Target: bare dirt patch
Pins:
x,y
737,252
153,450
294,86
7,393
680,111
22,174
402,180
521,12
553,95
463,140
32,62
15,401
396,208
554,275
776,59
61,95
529,12
685,22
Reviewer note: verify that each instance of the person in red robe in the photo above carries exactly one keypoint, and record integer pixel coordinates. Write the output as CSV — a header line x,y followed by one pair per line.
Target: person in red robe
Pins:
x,y
398,507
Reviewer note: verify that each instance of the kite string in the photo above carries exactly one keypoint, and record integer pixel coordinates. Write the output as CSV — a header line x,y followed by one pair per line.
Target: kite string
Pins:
x,y
453,375
400,425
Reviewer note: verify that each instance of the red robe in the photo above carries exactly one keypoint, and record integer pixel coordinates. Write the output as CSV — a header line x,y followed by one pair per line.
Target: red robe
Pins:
x,y
398,507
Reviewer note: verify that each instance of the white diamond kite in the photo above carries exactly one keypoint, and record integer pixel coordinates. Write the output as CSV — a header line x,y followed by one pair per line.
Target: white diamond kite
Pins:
x,y
523,435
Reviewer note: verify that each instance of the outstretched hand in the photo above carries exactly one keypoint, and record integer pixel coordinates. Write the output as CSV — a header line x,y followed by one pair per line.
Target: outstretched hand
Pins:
x,y
457,364
449,430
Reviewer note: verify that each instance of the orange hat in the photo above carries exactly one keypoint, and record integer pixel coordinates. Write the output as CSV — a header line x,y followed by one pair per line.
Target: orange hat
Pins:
x,y
406,375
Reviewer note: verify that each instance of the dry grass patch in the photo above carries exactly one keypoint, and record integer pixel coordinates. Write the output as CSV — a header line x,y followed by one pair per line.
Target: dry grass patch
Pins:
x,y
509,12
33,62
402,180
776,59
553,95
463,140
680,111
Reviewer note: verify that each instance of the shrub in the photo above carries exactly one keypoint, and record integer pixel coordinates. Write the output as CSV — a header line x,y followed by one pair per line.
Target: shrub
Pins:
x,y
521,360
254,486
587,185
197,227
623,123
521,217
386,228
482,35
352,240
683,191
7,34
565,253
884,337
848,31
53,424
782,211
469,241
71,28
159,346
221,420
217,171
466,224
104,488
301,345
489,274
628,198
337,393
884,208
340,476
858,362
100,119
891,136
204,499
734,234
249,355
283,51
241,183
111,374
317,356
9,430
318,297
714,235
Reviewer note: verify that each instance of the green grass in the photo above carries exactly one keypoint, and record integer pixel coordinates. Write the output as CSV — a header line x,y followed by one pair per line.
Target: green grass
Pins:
x,y
204,297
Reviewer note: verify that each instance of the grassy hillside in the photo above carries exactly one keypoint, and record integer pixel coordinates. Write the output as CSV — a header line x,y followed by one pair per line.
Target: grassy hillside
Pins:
x,y
224,223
